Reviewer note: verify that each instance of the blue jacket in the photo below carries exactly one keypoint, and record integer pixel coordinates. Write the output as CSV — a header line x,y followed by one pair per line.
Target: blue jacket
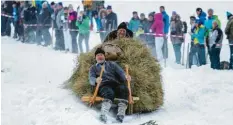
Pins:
x,y
202,17
134,25
98,23
166,22
113,73
15,14
199,35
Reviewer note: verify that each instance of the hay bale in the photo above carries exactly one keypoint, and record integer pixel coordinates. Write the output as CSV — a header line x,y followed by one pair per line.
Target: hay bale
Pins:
x,y
144,70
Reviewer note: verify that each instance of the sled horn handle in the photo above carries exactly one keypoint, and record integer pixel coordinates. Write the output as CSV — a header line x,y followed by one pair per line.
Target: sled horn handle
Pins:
x,y
129,86
92,100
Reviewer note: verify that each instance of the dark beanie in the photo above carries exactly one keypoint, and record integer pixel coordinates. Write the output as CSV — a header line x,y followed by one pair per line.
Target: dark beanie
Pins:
x,y
135,12
99,50
60,3
123,25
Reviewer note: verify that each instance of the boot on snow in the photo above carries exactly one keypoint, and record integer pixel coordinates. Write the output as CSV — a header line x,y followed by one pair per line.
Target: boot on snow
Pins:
x,y
105,107
122,106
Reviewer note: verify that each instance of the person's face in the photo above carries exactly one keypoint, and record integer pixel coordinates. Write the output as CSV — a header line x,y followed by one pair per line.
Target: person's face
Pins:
x,y
161,9
52,6
214,25
135,16
109,11
100,58
142,17
121,33
14,5
66,11
198,12
196,24
103,15
96,16
210,13
150,18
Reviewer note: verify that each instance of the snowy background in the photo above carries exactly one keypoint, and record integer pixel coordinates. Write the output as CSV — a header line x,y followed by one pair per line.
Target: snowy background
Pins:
x,y
32,79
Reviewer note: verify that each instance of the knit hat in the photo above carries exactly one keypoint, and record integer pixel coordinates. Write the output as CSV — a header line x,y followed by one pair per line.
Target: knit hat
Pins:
x,y
52,3
210,10
135,12
109,7
60,3
151,14
174,13
98,51
228,14
123,25
142,14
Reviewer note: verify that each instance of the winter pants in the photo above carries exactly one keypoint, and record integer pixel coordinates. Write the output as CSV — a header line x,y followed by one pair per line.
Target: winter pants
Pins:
x,y
46,36
165,48
39,38
231,54
29,35
59,45
110,92
215,58
3,24
8,26
159,42
177,51
151,46
193,56
84,37
201,54
73,35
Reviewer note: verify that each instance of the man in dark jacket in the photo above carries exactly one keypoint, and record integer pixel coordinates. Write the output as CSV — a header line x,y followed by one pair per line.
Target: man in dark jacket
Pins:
x,y
44,21
215,43
112,84
229,33
150,39
111,20
121,32
8,11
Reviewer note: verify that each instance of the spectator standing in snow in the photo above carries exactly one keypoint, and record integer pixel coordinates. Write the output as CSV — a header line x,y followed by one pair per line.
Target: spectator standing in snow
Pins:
x,y
150,39
193,55
208,24
111,20
44,19
166,30
59,45
134,22
84,31
199,36
201,15
8,11
15,18
145,26
67,40
215,43
72,25
102,16
176,31
158,28
229,33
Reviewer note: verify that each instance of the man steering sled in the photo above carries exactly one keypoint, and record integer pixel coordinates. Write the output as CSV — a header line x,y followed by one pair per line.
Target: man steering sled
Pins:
x,y
112,85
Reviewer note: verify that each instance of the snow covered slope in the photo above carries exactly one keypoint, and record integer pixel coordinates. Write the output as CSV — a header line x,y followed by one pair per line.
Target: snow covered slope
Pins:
x,y
32,92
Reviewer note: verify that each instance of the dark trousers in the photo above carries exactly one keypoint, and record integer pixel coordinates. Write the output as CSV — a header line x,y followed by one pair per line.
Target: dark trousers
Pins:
x,y
85,37
214,54
8,26
110,92
74,44
29,35
59,45
3,24
39,35
46,36
231,56
201,54
193,55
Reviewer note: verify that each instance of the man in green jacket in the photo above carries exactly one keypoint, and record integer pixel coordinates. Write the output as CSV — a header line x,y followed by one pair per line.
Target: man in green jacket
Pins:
x,y
84,30
229,33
